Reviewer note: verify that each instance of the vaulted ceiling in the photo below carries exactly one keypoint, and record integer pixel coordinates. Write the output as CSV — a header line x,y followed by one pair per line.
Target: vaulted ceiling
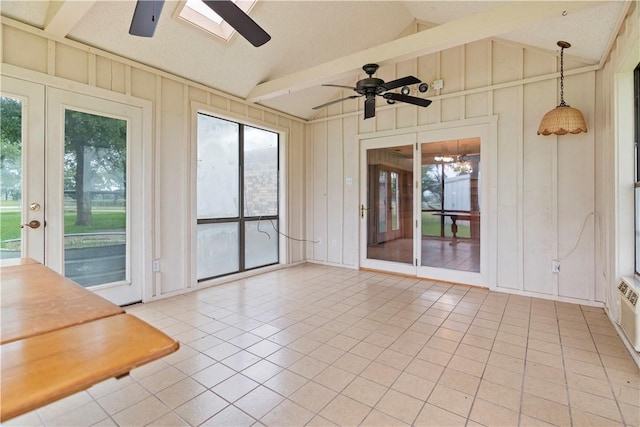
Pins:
x,y
317,42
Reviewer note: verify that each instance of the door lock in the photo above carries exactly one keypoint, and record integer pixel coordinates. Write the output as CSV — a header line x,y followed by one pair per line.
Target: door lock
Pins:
x,y
31,224
34,206
362,209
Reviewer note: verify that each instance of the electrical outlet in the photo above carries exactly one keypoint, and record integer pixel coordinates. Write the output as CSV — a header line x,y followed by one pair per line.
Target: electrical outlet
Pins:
x,y
555,267
156,265
438,84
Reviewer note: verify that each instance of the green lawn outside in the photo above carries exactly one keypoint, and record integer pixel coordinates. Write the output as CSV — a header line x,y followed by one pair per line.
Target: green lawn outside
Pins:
x,y
431,226
102,221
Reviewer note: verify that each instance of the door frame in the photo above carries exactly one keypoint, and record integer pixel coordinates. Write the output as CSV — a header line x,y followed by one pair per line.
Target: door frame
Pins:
x,y
150,280
32,95
370,144
137,230
487,129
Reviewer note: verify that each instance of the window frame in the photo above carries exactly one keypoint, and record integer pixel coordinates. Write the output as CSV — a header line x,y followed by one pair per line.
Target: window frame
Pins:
x,y
636,148
242,220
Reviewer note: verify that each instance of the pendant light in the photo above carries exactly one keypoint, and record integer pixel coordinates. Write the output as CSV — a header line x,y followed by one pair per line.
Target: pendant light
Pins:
x,y
563,119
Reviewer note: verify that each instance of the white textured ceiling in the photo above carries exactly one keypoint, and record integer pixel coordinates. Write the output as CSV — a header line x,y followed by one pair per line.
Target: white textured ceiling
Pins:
x,y
305,34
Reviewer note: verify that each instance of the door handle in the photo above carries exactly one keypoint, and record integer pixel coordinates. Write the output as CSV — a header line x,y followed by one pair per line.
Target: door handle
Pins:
x,y
31,224
362,209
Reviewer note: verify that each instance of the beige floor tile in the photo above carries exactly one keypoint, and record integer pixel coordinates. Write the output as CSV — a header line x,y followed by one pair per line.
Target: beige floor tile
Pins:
x,y
123,398
319,421
425,370
594,386
195,363
527,421
452,400
545,389
334,378
342,342
413,386
545,410
406,347
582,418
179,393
380,419
436,356
234,388
308,367
460,381
366,350
365,391
108,386
88,414
262,371
29,419
345,411
65,405
287,413
230,416
490,414
259,402
169,420
285,357
213,375
508,349
432,415
594,404
201,408
327,353
241,360
400,406
245,340
313,396
380,373
504,361
467,366
473,353
142,413
352,363
286,382
630,413
499,394
304,345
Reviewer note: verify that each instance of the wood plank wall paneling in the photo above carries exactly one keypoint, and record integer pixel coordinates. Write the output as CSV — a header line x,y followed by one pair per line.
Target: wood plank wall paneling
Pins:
x,y
541,200
171,96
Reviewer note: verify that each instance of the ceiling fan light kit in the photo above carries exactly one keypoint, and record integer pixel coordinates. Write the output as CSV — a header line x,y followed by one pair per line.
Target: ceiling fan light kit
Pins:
x,y
563,119
370,87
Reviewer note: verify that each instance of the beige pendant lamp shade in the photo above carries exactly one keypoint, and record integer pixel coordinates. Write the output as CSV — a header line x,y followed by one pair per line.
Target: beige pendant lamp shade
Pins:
x,y
563,119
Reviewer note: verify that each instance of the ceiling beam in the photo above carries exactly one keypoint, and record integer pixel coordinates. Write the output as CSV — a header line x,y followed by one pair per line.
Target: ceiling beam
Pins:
x,y
63,15
499,20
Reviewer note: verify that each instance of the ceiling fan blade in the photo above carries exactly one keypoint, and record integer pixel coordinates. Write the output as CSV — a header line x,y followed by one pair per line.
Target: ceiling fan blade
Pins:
x,y
336,101
408,99
239,20
146,17
370,107
344,87
405,81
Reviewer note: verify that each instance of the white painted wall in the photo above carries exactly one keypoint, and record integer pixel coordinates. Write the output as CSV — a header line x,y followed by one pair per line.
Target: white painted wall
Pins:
x,y
544,185
29,53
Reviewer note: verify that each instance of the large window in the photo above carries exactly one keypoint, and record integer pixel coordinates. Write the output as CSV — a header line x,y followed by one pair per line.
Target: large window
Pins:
x,y
636,102
237,193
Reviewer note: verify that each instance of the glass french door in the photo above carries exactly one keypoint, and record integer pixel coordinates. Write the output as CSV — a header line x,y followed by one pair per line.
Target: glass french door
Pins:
x,y
387,204
22,214
95,172
421,205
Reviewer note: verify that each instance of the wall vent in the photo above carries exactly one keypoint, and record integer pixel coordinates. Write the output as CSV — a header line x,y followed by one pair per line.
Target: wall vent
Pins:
x,y
629,310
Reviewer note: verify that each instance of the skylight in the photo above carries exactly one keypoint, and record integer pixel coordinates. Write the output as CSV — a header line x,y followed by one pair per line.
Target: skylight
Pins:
x,y
202,16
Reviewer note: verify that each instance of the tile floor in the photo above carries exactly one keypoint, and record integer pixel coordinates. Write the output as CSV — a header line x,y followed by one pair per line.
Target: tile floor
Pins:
x,y
318,346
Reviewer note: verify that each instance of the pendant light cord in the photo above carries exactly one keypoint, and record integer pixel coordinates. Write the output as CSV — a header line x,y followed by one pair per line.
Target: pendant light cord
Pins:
x,y
562,104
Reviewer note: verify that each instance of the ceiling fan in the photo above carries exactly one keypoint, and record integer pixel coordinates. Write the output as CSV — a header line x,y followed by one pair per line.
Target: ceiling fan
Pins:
x,y
145,18
370,86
